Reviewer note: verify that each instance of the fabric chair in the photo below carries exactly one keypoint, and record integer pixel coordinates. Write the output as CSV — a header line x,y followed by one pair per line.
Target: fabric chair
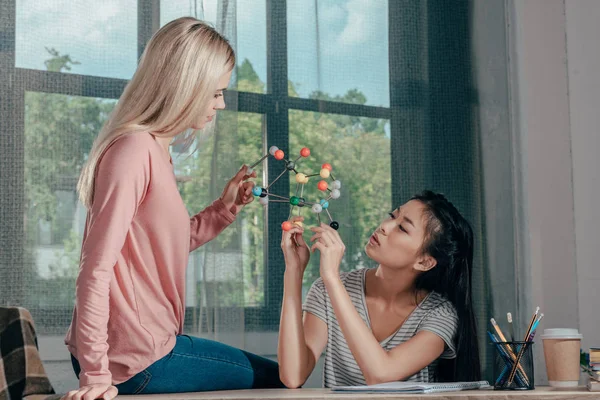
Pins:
x,y
22,373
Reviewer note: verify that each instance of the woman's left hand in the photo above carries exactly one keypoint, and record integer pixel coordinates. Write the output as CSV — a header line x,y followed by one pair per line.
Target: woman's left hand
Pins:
x,y
328,241
238,192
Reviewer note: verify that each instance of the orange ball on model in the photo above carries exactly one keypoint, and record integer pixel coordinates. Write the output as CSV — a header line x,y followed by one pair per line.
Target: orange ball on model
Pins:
x,y
286,226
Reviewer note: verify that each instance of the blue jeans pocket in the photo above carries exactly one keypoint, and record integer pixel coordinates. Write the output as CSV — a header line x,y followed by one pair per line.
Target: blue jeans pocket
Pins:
x,y
136,384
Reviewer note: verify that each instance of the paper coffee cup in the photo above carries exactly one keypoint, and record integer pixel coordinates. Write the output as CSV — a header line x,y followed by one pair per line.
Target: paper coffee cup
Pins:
x,y
561,352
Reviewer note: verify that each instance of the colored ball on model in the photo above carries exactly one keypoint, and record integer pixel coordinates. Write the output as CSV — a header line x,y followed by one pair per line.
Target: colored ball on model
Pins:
x,y
301,179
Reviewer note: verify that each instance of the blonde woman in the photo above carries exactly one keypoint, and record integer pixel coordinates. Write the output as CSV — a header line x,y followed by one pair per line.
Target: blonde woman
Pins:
x,y
126,332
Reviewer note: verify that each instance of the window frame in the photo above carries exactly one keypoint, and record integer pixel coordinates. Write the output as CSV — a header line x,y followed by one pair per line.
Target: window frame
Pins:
x,y
274,105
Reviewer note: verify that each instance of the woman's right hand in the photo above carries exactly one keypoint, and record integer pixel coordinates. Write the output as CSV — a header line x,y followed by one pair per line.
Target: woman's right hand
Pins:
x,y
92,392
295,250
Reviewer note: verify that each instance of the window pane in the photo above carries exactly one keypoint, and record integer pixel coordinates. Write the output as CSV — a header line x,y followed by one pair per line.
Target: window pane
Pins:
x,y
338,50
358,150
97,37
228,271
243,23
59,131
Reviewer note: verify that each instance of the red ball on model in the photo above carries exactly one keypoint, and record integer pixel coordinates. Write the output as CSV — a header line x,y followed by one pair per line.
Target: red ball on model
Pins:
x,y
279,155
305,152
322,186
326,166
286,226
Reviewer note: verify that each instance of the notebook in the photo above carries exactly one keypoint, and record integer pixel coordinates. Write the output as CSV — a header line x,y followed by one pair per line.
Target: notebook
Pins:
x,y
414,387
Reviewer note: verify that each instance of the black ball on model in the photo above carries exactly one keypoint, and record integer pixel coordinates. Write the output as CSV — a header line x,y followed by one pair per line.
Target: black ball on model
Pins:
x,y
334,225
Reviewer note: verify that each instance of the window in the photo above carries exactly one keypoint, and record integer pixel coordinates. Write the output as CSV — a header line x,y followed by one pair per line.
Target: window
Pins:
x,y
243,23
230,270
59,131
338,50
99,38
358,149
55,118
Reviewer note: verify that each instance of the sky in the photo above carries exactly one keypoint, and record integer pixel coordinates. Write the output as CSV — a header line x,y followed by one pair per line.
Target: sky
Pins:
x,y
102,36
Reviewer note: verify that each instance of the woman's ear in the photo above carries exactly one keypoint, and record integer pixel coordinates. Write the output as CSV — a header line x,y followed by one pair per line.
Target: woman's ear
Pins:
x,y
425,263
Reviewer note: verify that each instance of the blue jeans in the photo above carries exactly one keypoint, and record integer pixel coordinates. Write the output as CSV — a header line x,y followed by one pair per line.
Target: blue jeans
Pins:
x,y
197,365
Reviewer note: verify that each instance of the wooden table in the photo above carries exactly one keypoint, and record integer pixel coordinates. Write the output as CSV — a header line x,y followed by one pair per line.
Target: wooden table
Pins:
x,y
540,393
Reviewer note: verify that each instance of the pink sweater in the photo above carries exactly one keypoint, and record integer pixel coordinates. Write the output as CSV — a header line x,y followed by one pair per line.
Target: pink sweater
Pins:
x,y
131,284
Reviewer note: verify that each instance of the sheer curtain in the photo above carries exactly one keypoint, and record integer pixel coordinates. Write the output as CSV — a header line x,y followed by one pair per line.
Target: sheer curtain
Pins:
x,y
442,69
224,276
67,76
397,95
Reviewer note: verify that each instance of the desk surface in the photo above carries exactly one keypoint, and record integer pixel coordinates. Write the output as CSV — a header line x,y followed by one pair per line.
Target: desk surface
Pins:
x,y
304,394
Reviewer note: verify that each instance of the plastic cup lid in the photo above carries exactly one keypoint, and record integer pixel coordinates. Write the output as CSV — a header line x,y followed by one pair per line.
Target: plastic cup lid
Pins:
x,y
561,333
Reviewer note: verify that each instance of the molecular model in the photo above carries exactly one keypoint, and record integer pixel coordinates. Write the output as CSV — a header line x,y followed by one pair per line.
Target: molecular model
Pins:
x,y
301,179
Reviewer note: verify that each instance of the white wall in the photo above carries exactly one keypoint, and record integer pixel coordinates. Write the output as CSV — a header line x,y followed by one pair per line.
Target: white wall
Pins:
x,y
583,50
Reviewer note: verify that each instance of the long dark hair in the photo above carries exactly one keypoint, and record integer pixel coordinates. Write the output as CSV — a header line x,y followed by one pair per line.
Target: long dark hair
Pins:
x,y
449,240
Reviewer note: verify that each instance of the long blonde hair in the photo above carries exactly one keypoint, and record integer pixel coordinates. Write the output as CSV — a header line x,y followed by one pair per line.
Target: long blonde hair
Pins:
x,y
176,78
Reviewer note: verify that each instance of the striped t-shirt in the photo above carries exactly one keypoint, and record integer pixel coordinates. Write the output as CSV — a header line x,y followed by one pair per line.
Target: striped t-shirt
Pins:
x,y
434,314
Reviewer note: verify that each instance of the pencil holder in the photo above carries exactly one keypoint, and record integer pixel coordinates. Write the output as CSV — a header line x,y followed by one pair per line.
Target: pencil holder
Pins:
x,y
513,366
